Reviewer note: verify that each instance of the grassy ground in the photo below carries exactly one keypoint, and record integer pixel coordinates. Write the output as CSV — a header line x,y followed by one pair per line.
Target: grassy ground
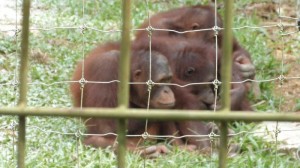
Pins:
x,y
51,142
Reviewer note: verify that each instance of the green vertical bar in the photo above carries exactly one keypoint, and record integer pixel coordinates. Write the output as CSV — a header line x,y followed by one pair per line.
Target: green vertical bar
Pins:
x,y
227,55
226,79
298,9
124,73
298,14
23,82
21,142
223,145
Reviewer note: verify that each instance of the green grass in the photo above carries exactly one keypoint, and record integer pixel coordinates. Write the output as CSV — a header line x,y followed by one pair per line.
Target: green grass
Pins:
x,y
60,49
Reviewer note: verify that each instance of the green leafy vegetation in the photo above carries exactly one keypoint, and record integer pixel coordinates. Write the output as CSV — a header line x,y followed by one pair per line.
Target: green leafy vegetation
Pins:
x,y
51,141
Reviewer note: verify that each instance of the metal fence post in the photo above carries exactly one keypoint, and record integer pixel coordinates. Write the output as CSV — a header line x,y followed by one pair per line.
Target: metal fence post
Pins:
x,y
298,14
124,73
23,83
226,79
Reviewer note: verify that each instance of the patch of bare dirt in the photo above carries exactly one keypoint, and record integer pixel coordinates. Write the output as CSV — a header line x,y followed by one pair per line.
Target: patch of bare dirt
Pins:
x,y
39,57
287,51
264,10
290,88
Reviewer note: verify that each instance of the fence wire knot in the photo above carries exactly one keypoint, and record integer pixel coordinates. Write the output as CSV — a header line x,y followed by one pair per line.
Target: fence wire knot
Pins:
x,y
150,84
17,31
212,136
145,135
216,84
277,131
216,29
78,134
15,84
12,125
281,79
83,28
82,82
150,30
281,28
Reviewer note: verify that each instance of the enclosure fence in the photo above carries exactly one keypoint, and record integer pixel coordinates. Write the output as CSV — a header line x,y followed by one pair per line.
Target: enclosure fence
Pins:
x,y
122,112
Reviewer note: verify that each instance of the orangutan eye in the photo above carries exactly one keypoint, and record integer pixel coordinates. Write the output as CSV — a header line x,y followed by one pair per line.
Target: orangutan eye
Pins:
x,y
195,26
190,71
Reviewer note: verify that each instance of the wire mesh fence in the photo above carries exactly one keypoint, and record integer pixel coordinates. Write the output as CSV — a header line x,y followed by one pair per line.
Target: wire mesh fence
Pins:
x,y
49,80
